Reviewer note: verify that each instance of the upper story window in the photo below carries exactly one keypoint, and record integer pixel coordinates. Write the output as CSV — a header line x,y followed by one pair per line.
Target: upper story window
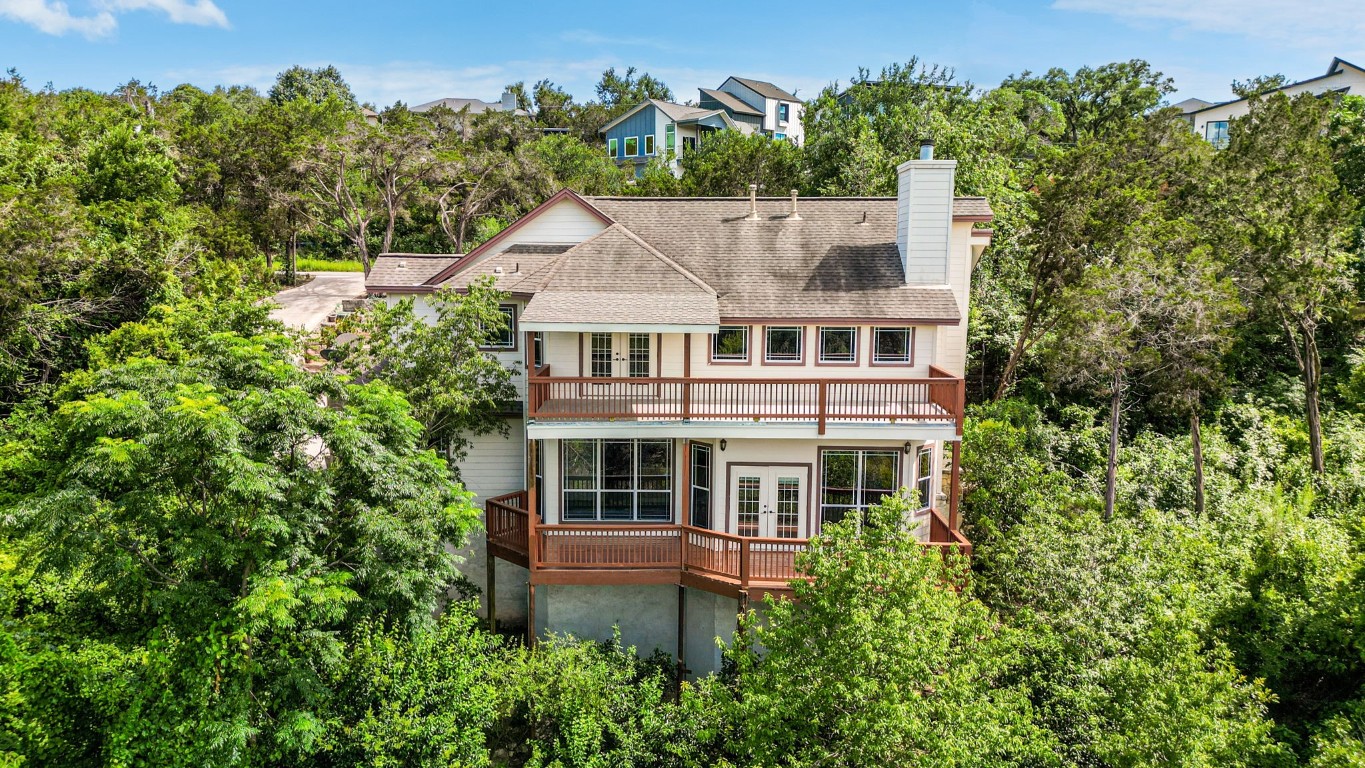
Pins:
x,y
611,147
1216,131
893,346
670,137
649,144
838,345
783,110
538,350
784,344
924,475
632,146
505,337
730,344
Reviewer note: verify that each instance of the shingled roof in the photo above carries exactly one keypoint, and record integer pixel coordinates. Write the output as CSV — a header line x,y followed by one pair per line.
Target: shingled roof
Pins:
x,y
405,270
764,88
732,102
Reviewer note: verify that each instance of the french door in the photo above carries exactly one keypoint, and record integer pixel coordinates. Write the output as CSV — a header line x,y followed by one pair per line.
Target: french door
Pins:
x,y
768,502
620,355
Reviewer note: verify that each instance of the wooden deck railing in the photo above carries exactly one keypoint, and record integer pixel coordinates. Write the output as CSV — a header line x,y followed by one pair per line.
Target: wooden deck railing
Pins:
x,y
723,559
939,398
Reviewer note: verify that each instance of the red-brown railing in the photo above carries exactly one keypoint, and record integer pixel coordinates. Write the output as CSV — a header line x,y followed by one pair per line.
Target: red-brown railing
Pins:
x,y
738,561
938,398
507,521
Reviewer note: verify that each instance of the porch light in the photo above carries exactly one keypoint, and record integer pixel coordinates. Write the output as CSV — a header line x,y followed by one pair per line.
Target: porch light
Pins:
x,y
908,447
723,443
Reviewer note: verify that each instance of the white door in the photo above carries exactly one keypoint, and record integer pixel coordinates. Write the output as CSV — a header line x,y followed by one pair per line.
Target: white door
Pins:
x,y
768,502
620,355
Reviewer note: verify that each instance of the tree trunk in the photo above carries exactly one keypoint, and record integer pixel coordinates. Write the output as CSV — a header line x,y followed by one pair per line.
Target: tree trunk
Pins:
x,y
1007,376
1312,385
1111,479
1197,443
291,258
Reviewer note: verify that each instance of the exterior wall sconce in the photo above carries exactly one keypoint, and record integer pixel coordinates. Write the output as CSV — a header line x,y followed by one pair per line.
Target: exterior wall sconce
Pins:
x,y
909,446
723,443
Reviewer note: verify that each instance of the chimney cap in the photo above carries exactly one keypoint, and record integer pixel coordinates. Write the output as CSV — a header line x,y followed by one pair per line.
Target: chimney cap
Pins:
x,y
926,148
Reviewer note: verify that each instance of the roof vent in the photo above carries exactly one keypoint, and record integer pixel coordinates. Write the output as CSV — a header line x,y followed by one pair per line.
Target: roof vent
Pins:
x,y
793,216
497,270
403,264
753,203
864,221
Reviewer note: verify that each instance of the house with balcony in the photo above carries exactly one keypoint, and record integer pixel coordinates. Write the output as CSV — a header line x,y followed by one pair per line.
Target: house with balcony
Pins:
x,y
1211,120
706,383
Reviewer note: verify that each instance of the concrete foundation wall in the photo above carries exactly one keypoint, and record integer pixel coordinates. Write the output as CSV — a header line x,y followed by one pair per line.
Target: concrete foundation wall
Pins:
x,y
709,616
647,614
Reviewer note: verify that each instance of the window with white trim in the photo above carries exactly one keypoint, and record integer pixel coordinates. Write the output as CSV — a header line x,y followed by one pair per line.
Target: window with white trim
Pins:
x,y
783,344
893,345
730,344
838,345
924,475
649,144
612,146
783,110
506,336
632,146
670,137
701,485
611,480
853,480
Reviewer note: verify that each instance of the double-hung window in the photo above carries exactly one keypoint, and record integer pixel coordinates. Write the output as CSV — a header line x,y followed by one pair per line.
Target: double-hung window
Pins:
x,y
893,346
670,137
617,480
506,336
701,485
649,144
838,345
612,146
632,146
783,344
924,475
730,344
853,480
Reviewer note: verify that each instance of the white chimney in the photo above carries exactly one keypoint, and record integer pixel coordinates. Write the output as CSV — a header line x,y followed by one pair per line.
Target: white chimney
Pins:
x,y
924,217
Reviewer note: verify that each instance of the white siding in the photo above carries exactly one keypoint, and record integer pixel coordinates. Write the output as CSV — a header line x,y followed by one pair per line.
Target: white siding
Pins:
x,y
951,353
512,359
495,465
1349,79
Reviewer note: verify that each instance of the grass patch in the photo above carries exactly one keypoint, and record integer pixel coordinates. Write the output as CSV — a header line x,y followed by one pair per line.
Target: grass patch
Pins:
x,y
328,265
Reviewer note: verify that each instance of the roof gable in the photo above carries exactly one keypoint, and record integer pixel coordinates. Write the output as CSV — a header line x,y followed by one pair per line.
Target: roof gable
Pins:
x,y
478,254
731,102
763,88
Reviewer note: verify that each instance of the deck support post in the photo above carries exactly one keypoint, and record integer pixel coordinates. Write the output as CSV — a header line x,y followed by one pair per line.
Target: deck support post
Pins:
x,y
531,615
682,632
492,592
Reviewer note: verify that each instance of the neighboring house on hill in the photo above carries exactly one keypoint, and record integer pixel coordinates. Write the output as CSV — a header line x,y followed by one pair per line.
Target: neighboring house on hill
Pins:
x,y
1211,121
475,106
709,381
661,129
781,110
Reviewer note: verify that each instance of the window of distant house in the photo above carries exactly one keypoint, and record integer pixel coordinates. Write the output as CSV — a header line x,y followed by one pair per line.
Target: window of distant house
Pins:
x,y
731,344
924,475
780,136
649,144
689,143
838,345
892,346
783,345
611,147
855,480
701,485
632,146
670,137
1216,131
782,112
506,336
617,480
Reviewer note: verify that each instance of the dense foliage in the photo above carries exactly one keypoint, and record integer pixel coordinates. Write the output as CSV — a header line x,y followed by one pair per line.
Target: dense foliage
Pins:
x,y
211,557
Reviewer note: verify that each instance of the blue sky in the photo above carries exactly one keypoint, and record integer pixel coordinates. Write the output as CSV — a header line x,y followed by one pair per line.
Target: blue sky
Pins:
x,y
420,51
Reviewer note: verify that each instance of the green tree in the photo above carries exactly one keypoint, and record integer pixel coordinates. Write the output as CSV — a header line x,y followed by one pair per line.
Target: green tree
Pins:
x,y
625,90
728,162
884,659
313,85
456,389
200,534
1101,100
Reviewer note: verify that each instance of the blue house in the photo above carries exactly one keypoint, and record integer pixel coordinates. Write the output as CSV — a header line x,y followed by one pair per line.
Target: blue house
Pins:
x,y
661,129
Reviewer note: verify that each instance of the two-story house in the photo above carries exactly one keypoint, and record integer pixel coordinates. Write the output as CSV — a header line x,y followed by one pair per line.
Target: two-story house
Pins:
x,y
664,130
708,382
1211,120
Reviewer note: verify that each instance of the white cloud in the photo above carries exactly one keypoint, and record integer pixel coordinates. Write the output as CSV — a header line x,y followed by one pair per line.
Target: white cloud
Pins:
x,y
1334,26
56,18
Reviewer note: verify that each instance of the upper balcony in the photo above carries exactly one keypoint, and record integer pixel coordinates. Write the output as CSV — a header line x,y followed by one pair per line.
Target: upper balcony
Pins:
x,y
937,400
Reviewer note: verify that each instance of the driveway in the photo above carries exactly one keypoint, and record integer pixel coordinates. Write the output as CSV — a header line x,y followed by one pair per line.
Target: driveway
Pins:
x,y
308,305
